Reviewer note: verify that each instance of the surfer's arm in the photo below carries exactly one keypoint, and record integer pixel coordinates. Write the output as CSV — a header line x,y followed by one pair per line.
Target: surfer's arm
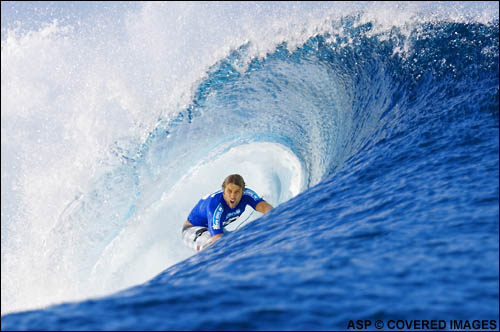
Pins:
x,y
212,240
264,207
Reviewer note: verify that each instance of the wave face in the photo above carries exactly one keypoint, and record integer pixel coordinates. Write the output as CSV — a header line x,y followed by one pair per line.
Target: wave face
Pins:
x,y
372,128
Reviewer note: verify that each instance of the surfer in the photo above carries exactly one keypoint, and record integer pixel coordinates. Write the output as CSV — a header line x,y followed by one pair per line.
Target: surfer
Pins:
x,y
205,224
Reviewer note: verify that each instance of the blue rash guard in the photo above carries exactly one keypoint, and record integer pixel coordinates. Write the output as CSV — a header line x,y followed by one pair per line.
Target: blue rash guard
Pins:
x,y
213,212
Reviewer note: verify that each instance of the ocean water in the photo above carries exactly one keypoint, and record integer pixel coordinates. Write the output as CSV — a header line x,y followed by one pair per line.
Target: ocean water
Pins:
x,y
371,127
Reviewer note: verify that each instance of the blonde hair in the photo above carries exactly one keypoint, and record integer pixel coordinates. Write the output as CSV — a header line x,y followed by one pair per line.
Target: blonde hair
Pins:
x,y
234,179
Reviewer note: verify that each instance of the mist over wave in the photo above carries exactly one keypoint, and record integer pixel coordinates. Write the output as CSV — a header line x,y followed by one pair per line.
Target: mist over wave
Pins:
x,y
113,128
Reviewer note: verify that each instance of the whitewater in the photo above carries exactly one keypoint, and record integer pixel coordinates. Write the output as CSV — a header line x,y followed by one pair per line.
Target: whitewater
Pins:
x,y
371,127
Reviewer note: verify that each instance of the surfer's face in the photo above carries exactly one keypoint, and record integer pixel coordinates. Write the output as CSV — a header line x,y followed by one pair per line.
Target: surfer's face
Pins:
x,y
232,195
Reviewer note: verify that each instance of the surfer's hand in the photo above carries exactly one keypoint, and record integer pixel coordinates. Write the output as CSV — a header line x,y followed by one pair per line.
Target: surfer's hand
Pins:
x,y
212,240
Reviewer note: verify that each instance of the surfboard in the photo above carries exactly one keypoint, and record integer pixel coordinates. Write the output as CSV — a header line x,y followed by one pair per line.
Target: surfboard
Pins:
x,y
196,237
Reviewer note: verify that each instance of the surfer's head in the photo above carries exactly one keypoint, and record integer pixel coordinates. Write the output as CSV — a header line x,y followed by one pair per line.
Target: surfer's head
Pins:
x,y
233,187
